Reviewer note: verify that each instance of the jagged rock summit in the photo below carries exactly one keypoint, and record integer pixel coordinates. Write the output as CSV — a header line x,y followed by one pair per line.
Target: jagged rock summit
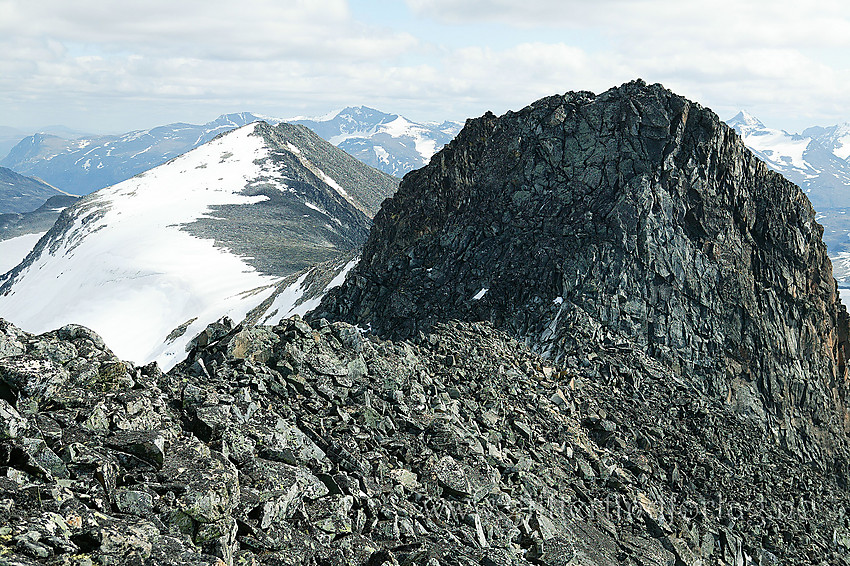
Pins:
x,y
633,216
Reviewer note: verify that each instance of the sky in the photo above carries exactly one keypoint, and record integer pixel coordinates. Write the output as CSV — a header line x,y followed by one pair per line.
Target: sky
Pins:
x,y
109,67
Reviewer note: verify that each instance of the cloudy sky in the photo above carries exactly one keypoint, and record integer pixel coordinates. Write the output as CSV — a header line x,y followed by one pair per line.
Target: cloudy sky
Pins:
x,y
114,66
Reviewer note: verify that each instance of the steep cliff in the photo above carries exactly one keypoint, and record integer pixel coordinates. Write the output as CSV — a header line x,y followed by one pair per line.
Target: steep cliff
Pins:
x,y
637,215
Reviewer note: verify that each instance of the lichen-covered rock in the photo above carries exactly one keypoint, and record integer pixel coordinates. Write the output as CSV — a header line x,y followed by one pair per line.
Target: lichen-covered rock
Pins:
x,y
11,340
12,424
32,378
207,482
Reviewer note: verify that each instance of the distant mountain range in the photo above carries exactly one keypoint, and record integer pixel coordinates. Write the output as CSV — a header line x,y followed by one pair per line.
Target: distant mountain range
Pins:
x,y
19,232
14,224
20,194
85,164
81,165
834,138
232,228
388,142
10,137
818,160
28,208
807,160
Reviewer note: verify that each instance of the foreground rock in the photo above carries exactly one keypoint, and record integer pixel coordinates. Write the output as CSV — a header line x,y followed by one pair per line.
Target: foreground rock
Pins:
x,y
304,444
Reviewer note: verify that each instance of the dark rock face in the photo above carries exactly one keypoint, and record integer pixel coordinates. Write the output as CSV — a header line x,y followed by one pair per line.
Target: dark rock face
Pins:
x,y
636,214
628,236
314,445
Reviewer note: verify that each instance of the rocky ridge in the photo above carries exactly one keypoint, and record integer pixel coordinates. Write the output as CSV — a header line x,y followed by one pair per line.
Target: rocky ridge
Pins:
x,y
215,232
320,446
640,416
634,212
817,162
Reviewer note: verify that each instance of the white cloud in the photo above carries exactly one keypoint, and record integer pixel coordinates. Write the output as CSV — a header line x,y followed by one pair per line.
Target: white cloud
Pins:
x,y
221,53
243,30
755,22
94,66
779,57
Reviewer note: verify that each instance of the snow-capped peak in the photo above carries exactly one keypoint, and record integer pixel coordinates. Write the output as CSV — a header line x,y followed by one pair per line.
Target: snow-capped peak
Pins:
x,y
124,256
784,152
743,120
169,251
323,118
834,138
388,142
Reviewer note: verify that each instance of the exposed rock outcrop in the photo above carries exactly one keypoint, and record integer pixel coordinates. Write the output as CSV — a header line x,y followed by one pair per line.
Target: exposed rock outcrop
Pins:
x,y
636,213
41,219
20,194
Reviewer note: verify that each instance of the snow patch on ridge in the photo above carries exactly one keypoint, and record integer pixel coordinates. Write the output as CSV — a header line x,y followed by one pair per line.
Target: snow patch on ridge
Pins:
x,y
333,184
328,180
400,127
126,270
842,147
286,304
381,154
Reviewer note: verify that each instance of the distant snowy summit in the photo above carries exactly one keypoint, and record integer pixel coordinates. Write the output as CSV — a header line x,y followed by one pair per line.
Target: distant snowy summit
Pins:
x,y
807,160
230,228
81,165
818,160
388,142
834,138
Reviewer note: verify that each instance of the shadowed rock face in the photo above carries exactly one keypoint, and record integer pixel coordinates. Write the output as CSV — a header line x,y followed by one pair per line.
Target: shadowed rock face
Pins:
x,y
39,220
635,214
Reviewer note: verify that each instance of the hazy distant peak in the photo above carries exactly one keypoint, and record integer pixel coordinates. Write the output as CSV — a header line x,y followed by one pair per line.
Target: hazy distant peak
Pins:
x,y
744,119
239,119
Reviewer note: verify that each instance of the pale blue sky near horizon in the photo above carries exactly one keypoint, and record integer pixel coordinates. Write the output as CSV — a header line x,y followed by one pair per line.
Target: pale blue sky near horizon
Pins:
x,y
93,67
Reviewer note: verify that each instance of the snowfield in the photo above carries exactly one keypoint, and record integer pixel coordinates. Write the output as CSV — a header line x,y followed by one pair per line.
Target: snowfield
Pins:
x,y
125,268
14,250
778,148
